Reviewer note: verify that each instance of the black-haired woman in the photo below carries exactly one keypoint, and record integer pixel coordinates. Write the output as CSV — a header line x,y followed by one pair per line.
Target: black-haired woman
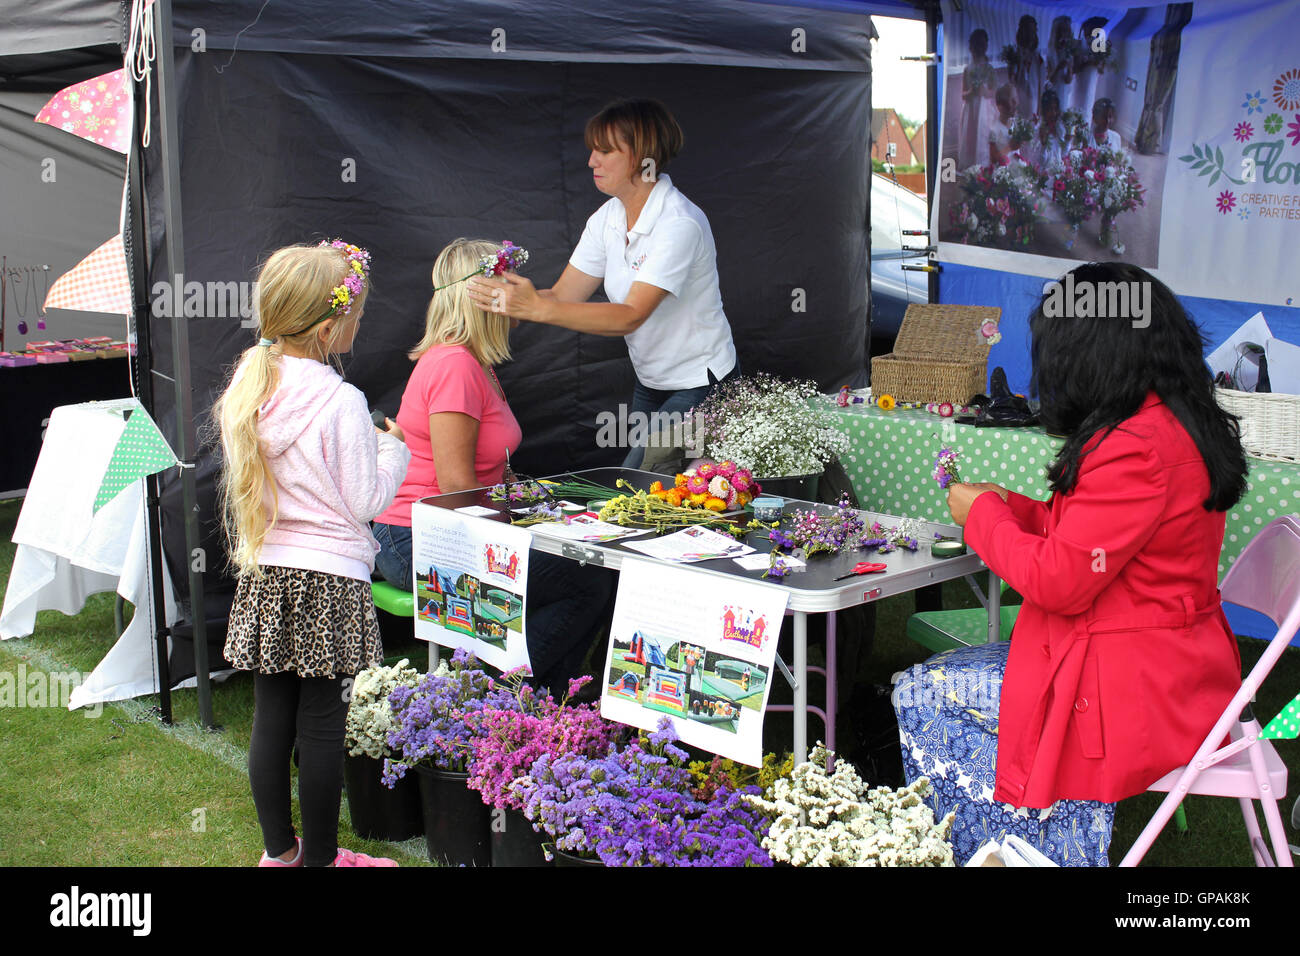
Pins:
x,y
1121,659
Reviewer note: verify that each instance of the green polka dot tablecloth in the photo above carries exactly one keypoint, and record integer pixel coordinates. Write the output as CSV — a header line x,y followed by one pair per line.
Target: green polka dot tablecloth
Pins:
x,y
1286,725
141,450
892,455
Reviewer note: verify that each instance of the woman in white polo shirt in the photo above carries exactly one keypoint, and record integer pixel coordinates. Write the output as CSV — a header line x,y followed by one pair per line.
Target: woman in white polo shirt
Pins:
x,y
653,249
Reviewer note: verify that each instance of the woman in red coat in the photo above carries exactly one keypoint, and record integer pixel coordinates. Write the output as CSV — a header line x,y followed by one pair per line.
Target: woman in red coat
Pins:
x,y
1121,658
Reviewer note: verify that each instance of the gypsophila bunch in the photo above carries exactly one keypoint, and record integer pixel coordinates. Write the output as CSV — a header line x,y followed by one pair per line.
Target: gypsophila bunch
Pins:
x,y
832,819
506,741
370,716
431,719
768,426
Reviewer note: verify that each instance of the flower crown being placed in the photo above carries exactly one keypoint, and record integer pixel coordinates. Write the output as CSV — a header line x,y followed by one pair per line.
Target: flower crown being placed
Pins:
x,y
507,258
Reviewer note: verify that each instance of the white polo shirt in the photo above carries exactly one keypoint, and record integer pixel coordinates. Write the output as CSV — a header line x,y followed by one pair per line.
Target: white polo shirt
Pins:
x,y
671,248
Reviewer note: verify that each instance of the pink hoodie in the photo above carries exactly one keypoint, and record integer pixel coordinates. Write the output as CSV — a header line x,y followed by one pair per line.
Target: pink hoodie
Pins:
x,y
333,471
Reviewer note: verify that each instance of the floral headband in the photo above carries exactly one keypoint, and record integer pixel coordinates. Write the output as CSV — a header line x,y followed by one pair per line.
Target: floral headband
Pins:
x,y
342,296
507,258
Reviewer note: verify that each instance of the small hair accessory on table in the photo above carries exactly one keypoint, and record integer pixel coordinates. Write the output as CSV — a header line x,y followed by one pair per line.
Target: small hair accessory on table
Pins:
x,y
846,398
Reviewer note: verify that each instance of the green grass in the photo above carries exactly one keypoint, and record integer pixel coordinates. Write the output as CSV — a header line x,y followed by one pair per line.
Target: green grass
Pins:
x,y
122,788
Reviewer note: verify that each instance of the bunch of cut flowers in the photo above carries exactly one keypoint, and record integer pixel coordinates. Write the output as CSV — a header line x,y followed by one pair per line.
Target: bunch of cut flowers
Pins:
x,y
655,509
999,202
370,716
821,818
830,532
640,806
432,725
768,426
721,486
507,740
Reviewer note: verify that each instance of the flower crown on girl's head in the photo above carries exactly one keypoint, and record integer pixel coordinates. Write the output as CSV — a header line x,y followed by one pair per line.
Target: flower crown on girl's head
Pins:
x,y
508,257
341,296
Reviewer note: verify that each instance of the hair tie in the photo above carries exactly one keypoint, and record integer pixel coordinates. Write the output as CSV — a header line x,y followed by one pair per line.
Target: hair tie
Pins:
x,y
265,343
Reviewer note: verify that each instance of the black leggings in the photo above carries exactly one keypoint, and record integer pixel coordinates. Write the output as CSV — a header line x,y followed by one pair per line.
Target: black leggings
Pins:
x,y
313,711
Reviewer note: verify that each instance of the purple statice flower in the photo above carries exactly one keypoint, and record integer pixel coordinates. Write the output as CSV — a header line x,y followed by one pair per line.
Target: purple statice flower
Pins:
x,y
781,539
644,811
946,467
433,719
777,568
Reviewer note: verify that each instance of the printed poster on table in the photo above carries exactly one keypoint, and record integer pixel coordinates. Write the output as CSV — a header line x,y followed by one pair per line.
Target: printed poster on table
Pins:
x,y
470,584
704,659
1166,135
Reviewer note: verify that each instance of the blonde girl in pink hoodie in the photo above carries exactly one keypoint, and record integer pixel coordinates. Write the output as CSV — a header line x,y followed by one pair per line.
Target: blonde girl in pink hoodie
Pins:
x,y
304,472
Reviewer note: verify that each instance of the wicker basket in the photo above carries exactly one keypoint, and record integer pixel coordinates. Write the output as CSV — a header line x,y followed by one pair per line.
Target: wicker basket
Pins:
x,y
939,355
1270,423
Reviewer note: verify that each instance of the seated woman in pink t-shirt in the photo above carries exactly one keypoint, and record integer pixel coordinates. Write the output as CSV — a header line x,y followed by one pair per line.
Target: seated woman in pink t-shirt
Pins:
x,y
459,429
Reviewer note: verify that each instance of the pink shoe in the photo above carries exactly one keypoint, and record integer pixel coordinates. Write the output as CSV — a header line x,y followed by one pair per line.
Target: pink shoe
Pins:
x,y
348,858
274,861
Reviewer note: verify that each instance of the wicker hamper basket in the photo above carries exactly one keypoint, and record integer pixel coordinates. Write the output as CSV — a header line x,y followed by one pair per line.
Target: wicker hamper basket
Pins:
x,y
939,355
1270,423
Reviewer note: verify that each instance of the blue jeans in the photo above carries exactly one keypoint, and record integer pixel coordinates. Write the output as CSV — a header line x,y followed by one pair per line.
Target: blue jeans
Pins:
x,y
394,558
648,401
566,604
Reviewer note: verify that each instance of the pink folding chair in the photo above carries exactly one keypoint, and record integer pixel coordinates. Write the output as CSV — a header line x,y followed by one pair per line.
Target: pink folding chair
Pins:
x,y
1266,578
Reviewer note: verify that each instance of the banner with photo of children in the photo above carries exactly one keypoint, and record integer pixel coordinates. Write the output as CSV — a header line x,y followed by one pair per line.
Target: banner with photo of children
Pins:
x,y
1043,127
1166,135
705,658
470,584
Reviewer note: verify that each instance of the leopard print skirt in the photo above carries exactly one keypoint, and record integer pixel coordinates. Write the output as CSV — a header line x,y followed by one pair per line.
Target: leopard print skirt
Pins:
x,y
307,622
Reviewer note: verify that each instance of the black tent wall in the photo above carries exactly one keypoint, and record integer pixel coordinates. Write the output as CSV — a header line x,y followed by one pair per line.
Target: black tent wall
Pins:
x,y
449,139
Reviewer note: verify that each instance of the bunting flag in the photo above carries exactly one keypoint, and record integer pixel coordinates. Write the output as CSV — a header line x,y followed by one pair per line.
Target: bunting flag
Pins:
x,y
99,283
140,452
1286,725
98,109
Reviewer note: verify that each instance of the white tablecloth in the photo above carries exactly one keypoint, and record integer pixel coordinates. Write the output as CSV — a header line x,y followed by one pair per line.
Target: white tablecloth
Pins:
x,y
66,551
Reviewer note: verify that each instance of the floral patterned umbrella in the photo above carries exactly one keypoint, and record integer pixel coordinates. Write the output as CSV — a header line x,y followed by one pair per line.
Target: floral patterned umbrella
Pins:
x,y
98,109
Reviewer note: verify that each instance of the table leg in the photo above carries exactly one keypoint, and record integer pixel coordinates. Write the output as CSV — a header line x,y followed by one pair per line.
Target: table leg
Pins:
x,y
995,608
801,687
832,687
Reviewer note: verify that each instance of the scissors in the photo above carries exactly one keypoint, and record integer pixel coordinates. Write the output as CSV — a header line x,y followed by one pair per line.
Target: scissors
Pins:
x,y
863,567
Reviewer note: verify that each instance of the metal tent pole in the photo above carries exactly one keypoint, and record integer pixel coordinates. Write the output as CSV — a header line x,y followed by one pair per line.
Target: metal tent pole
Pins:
x,y
185,431
137,244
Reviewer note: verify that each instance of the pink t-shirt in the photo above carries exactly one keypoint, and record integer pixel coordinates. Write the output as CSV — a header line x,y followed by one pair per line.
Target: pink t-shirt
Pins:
x,y
448,378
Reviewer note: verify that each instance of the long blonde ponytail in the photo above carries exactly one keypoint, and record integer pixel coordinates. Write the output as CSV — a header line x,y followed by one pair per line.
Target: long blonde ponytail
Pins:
x,y
293,290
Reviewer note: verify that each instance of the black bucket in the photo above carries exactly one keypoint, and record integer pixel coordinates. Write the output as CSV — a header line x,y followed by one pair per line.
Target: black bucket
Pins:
x,y
801,487
379,813
456,820
568,859
515,842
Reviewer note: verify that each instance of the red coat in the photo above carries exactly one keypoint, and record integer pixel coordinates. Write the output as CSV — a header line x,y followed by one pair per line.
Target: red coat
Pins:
x,y
1121,659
